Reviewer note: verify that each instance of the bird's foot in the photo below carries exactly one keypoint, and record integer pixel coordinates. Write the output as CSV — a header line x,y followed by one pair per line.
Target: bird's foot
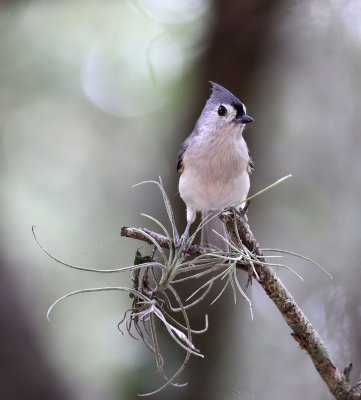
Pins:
x,y
246,206
240,212
183,243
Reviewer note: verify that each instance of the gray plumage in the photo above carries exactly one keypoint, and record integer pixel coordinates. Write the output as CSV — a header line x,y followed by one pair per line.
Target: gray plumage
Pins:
x,y
214,161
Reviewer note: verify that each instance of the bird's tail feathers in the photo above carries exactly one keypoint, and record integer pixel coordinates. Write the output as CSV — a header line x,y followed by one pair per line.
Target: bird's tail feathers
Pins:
x,y
208,237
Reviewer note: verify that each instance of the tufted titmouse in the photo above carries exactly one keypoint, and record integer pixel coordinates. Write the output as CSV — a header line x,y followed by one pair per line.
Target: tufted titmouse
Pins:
x,y
214,162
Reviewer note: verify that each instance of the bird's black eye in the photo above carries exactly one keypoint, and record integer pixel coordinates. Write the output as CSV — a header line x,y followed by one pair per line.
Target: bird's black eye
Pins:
x,y
222,110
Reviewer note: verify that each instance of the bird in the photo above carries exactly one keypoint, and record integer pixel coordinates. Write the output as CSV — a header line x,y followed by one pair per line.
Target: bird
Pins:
x,y
214,163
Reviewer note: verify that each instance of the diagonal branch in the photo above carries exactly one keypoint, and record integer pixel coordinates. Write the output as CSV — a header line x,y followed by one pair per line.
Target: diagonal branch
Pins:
x,y
303,332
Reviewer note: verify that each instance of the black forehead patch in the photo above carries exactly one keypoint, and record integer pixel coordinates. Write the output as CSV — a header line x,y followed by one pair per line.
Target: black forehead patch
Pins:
x,y
221,95
238,107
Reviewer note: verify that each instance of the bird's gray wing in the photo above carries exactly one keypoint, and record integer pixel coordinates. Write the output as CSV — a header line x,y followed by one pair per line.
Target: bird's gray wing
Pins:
x,y
250,164
180,156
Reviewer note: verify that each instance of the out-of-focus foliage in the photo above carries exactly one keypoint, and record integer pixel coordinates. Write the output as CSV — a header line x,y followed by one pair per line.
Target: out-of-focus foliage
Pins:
x,y
89,103
92,98
309,125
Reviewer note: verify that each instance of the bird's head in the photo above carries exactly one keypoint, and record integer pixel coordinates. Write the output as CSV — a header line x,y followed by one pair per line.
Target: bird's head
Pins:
x,y
224,110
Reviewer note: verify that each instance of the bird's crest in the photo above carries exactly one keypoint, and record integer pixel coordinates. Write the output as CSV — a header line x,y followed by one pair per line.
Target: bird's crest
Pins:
x,y
222,95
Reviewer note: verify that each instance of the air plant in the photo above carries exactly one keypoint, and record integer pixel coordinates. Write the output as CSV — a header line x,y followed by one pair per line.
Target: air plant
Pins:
x,y
154,294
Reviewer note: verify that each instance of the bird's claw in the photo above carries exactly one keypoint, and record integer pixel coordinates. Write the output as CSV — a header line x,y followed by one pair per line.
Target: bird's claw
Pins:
x,y
240,212
183,243
246,206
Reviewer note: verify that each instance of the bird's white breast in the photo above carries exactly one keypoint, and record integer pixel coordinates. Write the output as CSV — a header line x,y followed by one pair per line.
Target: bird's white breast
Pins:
x,y
215,173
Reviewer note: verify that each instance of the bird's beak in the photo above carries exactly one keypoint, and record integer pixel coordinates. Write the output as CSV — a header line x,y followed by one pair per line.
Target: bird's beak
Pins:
x,y
246,119
243,119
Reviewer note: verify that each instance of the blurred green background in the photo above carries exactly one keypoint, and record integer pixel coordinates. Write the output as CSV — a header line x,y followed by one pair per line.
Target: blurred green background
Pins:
x,y
97,96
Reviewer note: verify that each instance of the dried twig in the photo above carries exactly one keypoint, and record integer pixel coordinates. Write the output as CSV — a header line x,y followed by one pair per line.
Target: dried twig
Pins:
x,y
163,241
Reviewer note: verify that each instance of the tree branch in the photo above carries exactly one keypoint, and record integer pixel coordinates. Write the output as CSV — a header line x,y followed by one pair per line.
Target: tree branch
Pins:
x,y
194,249
303,332
162,240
